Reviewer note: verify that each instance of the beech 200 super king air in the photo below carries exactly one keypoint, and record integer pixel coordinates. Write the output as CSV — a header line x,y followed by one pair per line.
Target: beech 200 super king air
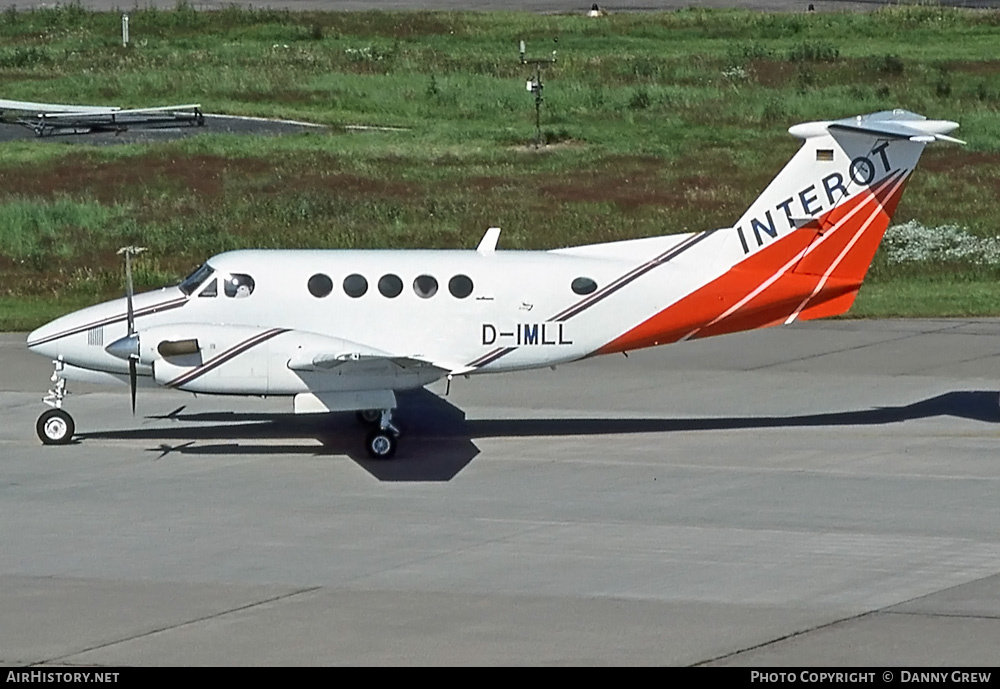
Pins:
x,y
345,330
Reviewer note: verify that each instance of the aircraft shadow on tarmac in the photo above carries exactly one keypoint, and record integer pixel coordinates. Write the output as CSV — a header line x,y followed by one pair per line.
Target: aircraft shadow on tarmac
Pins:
x,y
440,443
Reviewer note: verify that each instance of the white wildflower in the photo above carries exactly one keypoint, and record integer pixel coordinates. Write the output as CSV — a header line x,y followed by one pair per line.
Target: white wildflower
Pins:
x,y
736,73
366,54
911,242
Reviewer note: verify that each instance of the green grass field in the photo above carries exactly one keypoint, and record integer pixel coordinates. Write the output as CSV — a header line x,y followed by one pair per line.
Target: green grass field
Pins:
x,y
656,123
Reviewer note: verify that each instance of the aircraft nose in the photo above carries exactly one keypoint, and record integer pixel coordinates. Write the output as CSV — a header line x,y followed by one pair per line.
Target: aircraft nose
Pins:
x,y
40,340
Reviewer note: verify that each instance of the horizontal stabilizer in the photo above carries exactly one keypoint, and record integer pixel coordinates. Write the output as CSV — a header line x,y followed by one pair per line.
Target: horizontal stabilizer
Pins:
x,y
891,124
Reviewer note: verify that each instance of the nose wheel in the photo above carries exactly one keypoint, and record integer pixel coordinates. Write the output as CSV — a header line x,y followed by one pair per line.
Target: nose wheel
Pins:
x,y
55,427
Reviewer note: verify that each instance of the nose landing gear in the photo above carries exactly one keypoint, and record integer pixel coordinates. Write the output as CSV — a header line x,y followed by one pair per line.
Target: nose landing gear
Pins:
x,y
55,426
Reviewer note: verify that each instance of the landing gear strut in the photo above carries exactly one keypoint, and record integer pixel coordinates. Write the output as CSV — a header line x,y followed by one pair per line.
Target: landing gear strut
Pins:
x,y
55,426
382,440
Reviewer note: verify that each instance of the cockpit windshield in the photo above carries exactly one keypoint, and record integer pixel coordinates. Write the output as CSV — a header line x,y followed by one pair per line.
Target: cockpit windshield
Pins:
x,y
192,281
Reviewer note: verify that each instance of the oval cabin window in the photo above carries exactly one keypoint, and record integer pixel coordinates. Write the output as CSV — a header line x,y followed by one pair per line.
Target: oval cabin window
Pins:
x,y
355,285
390,285
583,286
320,285
425,286
460,286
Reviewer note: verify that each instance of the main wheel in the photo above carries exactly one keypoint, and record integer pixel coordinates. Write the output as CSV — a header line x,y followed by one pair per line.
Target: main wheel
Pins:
x,y
381,444
369,417
55,427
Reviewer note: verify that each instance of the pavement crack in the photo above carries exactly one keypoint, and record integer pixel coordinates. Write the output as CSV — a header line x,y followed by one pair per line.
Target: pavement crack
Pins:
x,y
884,610
859,347
786,637
958,615
180,625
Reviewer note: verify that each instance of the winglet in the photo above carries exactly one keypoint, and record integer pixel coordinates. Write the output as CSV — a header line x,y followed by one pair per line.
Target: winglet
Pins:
x,y
488,244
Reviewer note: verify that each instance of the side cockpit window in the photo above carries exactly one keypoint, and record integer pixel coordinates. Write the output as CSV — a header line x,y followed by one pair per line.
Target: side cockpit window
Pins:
x,y
192,281
211,289
239,286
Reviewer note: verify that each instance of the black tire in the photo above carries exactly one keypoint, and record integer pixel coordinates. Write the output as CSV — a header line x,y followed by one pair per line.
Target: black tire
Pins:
x,y
381,444
55,427
368,417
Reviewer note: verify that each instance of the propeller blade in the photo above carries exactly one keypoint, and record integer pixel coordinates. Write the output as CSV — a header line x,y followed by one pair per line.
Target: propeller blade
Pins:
x,y
129,252
129,291
132,381
128,345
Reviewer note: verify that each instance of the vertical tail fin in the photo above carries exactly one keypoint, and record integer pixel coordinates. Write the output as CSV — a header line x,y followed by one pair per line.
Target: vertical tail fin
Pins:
x,y
803,248
841,164
829,207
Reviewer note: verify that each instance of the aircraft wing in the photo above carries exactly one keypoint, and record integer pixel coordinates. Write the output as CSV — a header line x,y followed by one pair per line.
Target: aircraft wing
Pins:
x,y
322,354
363,363
224,359
49,108
190,109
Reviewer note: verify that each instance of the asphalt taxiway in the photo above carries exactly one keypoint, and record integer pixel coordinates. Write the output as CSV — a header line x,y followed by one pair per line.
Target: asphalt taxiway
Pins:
x,y
821,494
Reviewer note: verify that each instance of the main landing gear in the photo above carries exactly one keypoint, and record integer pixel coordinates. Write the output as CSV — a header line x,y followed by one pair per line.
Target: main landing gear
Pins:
x,y
382,440
55,426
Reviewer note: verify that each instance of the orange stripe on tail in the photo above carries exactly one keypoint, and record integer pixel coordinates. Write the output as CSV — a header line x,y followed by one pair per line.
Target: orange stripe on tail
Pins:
x,y
792,276
855,265
851,264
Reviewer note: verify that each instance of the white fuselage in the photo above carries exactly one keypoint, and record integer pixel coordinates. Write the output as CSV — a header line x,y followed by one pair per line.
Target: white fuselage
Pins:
x,y
522,311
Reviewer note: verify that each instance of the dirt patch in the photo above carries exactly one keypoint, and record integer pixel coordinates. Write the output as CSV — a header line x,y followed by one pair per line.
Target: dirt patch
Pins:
x,y
628,183
718,190
779,74
772,73
480,184
112,181
164,187
957,160
986,68
333,181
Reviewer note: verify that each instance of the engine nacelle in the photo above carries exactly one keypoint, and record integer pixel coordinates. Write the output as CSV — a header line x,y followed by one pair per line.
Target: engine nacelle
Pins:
x,y
251,360
209,358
